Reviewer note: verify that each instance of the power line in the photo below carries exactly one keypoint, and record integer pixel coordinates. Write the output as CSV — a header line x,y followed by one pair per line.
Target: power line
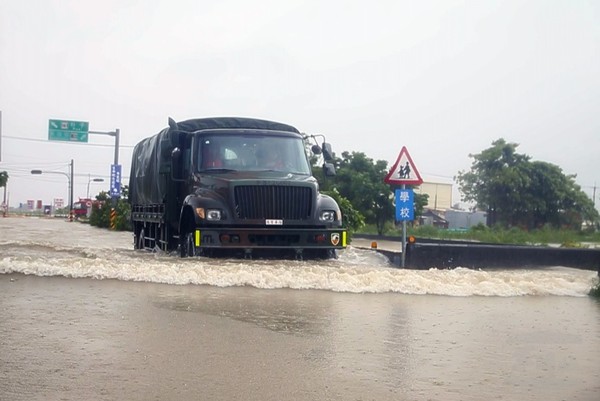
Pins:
x,y
72,143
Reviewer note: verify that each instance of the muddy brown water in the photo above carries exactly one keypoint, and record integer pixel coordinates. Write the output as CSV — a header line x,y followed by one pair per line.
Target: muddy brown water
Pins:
x,y
83,316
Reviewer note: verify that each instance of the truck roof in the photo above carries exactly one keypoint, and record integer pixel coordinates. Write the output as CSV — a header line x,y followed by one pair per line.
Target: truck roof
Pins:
x,y
199,124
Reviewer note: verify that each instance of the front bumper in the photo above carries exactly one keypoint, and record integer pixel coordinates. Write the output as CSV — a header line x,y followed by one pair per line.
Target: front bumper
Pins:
x,y
258,238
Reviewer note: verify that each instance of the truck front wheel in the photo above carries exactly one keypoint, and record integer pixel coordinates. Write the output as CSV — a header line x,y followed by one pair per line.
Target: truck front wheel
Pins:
x,y
188,246
139,240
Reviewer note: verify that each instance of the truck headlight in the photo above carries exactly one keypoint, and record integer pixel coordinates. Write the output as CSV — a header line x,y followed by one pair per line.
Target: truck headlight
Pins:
x,y
209,214
327,215
213,214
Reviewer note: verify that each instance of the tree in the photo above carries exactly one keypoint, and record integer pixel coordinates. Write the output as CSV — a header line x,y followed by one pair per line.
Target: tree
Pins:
x,y
353,219
360,180
518,192
101,211
420,201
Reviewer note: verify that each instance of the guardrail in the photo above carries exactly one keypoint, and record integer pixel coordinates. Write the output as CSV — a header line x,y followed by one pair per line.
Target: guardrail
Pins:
x,y
427,253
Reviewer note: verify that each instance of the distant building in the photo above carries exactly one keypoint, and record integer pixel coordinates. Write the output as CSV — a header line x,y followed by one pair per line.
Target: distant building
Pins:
x,y
462,219
438,211
440,195
431,218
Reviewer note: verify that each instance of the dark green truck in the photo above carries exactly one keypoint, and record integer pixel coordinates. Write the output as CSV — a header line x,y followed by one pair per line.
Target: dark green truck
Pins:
x,y
238,187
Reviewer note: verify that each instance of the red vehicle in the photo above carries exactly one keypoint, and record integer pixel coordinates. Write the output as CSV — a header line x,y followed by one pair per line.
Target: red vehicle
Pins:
x,y
82,208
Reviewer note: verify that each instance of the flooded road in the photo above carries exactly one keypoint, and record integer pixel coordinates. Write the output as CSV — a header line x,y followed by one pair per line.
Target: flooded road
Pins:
x,y
83,316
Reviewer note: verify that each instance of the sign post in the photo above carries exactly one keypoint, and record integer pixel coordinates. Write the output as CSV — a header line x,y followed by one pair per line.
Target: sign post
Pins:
x,y
404,172
405,211
115,180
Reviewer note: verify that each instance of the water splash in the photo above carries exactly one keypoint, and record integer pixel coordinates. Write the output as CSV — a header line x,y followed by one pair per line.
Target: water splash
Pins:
x,y
101,254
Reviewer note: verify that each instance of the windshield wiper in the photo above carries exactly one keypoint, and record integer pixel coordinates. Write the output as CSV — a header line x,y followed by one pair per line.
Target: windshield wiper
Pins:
x,y
219,170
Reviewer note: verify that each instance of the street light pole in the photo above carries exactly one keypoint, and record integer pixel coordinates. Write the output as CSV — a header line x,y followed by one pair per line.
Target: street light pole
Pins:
x,y
69,177
92,180
71,193
116,133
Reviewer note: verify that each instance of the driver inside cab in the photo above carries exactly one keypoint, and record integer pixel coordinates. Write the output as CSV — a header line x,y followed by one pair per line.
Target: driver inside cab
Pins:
x,y
211,157
269,158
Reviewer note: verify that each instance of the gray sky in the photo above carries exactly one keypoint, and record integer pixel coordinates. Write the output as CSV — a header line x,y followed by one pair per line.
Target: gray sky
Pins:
x,y
443,78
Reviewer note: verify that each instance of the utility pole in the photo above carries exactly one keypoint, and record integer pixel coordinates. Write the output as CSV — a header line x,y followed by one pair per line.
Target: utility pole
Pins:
x,y
69,177
71,193
116,133
113,211
4,204
1,136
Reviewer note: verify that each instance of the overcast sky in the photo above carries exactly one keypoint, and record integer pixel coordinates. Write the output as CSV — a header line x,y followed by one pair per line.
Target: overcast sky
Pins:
x,y
443,78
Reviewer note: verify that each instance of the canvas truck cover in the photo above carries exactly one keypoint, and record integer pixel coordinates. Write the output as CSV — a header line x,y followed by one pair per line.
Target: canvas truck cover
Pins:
x,y
150,176
234,123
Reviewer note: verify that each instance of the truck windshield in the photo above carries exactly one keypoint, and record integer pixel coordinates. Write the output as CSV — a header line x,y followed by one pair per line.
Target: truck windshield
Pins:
x,y
252,153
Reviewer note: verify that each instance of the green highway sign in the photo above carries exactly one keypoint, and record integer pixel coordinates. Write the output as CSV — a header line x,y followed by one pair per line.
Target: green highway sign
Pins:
x,y
71,131
67,136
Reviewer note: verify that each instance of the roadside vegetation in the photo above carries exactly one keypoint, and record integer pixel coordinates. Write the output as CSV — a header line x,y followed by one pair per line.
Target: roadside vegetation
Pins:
x,y
518,192
527,202
101,214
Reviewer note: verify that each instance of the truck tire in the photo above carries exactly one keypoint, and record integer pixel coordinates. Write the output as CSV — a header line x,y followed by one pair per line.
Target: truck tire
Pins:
x,y
188,247
140,240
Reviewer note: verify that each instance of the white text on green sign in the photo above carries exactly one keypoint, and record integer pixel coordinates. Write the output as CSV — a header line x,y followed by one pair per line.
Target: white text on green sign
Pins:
x,y
70,131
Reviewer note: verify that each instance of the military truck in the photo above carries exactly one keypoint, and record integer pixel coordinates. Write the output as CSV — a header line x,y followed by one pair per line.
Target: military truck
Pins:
x,y
230,186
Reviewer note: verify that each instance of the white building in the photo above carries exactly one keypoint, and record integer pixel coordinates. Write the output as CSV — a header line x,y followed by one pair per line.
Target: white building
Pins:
x,y
440,195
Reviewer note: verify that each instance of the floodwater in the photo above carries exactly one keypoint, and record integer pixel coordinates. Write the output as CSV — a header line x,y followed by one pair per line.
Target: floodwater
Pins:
x,y
84,316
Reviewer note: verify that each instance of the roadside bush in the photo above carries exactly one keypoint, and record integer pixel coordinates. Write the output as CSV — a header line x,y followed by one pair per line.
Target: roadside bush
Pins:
x,y
101,216
352,218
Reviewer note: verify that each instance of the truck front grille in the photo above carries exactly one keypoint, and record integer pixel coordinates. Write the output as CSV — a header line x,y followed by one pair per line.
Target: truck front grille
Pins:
x,y
273,202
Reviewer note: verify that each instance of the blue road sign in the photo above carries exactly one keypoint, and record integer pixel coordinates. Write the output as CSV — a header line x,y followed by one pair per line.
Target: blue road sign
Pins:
x,y
405,205
115,180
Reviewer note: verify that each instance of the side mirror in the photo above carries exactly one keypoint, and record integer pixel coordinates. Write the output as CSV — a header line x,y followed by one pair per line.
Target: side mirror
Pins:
x,y
327,152
174,134
329,169
176,172
174,138
173,125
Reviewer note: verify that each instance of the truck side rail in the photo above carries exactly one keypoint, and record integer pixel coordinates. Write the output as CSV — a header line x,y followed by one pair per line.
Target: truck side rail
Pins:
x,y
148,213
